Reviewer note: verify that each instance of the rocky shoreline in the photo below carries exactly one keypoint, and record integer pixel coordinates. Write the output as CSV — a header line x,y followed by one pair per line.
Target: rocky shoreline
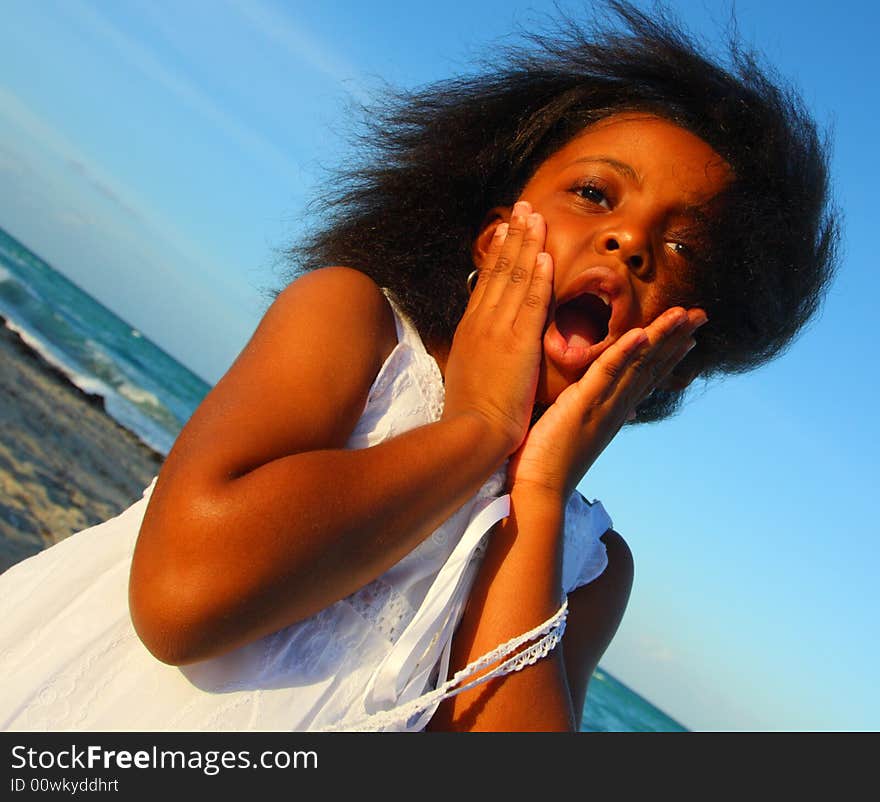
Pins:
x,y
65,464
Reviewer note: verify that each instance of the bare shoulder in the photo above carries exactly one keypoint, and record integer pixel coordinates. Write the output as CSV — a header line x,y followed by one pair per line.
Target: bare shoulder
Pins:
x,y
323,339
340,302
337,287
334,326
621,564
600,604
614,585
595,612
299,384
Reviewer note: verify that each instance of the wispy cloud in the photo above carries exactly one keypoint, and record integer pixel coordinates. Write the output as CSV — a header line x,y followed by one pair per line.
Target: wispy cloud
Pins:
x,y
38,132
12,163
302,45
74,219
53,195
102,188
146,223
138,56
656,651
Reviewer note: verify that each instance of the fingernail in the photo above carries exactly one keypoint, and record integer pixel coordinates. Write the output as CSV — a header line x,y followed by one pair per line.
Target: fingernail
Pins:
x,y
532,220
501,230
521,209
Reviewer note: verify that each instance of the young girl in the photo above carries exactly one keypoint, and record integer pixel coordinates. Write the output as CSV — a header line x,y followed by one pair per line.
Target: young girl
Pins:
x,y
371,521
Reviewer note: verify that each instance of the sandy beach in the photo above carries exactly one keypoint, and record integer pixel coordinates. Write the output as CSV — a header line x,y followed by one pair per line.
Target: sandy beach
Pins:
x,y
64,463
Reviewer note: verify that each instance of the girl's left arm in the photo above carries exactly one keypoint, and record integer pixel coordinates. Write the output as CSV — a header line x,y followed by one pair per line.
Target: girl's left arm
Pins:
x,y
558,683
518,587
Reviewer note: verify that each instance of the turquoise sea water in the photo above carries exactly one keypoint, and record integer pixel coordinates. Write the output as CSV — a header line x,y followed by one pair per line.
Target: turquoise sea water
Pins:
x,y
153,395
144,389
613,707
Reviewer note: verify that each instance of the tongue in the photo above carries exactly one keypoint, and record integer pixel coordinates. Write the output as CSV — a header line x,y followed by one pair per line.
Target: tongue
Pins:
x,y
577,328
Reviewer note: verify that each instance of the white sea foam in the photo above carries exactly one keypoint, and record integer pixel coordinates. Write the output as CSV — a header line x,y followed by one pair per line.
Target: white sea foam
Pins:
x,y
121,410
138,395
50,355
5,275
147,430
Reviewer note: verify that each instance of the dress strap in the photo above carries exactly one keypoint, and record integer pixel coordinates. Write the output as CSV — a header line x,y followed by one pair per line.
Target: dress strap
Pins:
x,y
419,646
406,330
395,695
400,321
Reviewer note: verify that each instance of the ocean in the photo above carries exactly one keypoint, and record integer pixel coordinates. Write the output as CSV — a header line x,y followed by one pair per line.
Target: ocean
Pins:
x,y
151,394
144,388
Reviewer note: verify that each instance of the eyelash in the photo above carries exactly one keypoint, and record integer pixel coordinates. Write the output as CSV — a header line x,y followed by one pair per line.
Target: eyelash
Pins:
x,y
597,188
686,251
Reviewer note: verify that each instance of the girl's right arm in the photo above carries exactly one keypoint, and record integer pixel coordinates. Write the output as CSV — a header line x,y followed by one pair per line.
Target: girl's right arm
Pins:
x,y
261,517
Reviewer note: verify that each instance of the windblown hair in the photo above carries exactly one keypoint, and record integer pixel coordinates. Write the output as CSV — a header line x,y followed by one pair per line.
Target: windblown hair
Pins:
x,y
434,162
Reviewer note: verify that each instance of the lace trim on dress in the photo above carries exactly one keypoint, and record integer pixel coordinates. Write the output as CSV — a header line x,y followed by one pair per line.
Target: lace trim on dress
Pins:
x,y
549,634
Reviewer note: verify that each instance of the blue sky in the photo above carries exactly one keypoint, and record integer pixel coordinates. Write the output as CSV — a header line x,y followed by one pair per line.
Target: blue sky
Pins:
x,y
160,154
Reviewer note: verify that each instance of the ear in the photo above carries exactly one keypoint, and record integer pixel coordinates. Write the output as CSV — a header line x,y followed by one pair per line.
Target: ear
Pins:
x,y
494,217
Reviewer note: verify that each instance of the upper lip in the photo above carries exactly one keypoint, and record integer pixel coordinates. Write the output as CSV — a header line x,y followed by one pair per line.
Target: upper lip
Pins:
x,y
602,281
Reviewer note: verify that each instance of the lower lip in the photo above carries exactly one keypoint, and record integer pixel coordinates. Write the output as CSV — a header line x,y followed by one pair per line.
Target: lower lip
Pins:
x,y
571,360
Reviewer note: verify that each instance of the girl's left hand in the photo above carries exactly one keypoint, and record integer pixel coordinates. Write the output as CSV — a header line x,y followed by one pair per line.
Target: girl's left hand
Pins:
x,y
576,428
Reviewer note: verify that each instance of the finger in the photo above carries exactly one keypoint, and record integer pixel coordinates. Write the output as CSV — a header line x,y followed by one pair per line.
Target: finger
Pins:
x,y
669,338
603,376
497,276
618,376
519,287
492,253
532,312
677,346
682,349
643,369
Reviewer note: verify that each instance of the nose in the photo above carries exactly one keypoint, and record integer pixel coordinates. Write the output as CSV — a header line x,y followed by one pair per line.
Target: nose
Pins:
x,y
630,247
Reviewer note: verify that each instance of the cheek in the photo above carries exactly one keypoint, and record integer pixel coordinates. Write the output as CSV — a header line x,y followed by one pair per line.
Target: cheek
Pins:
x,y
657,300
566,243
650,306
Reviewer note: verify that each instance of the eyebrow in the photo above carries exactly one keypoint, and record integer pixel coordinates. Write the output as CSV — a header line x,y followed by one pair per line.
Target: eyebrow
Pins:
x,y
695,210
618,166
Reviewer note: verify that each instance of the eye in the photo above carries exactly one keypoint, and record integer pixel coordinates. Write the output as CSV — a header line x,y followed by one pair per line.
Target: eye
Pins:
x,y
681,249
594,192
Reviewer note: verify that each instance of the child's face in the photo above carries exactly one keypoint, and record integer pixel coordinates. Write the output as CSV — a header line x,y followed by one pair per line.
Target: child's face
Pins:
x,y
620,204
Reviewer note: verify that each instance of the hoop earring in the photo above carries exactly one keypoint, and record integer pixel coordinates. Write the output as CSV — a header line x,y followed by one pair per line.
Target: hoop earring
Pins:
x,y
472,280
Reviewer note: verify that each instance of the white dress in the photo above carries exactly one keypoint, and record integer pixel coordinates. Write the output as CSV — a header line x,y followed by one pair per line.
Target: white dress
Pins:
x,y
70,659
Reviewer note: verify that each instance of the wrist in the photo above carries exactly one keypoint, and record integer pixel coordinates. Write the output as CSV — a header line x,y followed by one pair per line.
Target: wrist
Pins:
x,y
489,438
542,495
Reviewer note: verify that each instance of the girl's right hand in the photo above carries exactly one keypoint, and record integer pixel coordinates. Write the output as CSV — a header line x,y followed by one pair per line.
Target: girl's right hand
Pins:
x,y
492,369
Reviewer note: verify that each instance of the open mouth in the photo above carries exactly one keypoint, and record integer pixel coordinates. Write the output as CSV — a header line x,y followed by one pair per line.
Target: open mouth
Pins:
x,y
583,321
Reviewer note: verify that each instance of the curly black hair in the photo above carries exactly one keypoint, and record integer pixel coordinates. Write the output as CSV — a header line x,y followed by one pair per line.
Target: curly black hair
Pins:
x,y
434,161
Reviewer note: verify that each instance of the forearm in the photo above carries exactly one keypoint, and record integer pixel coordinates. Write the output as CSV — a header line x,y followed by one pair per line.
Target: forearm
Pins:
x,y
518,587
227,562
